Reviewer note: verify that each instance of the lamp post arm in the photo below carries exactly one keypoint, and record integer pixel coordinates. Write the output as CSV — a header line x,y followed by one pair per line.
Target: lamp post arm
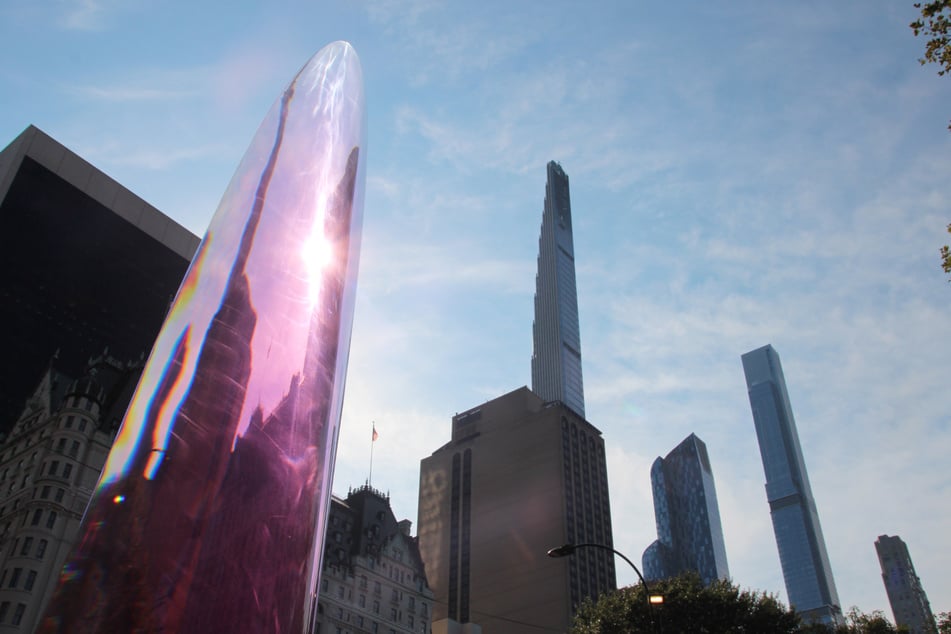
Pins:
x,y
647,592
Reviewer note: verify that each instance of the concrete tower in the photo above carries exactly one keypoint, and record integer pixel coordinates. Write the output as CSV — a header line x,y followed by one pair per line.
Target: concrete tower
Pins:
x,y
905,594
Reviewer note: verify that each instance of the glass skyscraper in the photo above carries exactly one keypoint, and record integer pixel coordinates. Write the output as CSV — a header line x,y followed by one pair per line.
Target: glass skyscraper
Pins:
x,y
802,549
556,359
689,534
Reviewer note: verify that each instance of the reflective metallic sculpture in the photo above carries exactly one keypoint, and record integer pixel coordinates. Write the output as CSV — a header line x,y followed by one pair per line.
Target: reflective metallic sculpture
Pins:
x,y
210,513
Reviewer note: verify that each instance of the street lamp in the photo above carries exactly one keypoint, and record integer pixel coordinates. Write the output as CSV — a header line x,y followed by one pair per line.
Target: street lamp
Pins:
x,y
652,599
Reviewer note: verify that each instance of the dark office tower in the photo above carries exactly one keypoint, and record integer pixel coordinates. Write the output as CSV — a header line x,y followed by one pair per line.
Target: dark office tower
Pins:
x,y
689,535
556,359
905,594
802,549
519,476
87,265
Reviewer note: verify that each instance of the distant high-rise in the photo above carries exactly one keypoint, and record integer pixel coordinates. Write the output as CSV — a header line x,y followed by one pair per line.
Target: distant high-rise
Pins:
x,y
802,549
905,594
689,535
519,476
556,359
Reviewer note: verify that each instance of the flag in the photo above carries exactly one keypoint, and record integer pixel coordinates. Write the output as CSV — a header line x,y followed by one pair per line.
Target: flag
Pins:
x,y
375,435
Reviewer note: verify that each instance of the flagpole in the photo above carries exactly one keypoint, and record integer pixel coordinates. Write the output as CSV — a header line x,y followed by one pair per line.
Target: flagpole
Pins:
x,y
372,442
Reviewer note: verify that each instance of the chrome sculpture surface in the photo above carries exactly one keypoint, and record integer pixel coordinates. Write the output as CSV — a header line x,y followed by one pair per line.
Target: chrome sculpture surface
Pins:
x,y
210,513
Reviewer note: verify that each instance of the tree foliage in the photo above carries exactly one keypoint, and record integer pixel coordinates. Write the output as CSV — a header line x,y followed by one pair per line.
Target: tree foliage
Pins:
x,y
944,623
688,606
935,24
720,608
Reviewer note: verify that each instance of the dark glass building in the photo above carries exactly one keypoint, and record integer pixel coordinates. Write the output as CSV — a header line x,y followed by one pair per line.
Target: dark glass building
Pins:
x,y
87,265
556,359
908,599
689,534
802,549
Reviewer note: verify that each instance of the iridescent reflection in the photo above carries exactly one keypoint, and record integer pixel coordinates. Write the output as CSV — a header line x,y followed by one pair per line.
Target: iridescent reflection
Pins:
x,y
209,515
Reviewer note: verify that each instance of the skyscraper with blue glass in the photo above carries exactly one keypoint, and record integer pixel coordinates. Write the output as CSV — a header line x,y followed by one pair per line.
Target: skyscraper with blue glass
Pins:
x,y
802,549
689,535
556,359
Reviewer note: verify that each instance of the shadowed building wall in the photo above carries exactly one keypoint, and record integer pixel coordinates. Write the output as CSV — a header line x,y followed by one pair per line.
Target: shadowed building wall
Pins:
x,y
519,476
86,265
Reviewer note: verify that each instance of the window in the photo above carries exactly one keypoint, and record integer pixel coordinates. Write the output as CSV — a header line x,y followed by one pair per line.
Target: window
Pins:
x,y
18,614
45,493
27,545
15,577
69,422
30,580
363,582
61,445
409,620
41,550
376,607
54,467
74,449
4,608
59,494
51,520
82,425
376,588
363,601
37,514
340,592
67,470
392,614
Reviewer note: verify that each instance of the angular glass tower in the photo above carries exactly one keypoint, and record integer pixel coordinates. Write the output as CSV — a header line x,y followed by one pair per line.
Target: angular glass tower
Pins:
x,y
908,599
689,535
802,549
556,359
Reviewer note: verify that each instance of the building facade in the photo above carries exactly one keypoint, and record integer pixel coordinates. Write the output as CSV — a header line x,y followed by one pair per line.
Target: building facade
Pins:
x,y
372,577
556,358
519,476
86,265
49,466
689,534
907,597
802,550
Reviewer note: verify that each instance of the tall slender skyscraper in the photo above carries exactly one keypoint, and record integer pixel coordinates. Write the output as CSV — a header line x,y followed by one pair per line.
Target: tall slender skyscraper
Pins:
x,y
689,534
556,359
905,594
802,549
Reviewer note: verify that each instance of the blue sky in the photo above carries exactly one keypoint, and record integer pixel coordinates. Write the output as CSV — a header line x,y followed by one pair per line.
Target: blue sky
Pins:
x,y
742,173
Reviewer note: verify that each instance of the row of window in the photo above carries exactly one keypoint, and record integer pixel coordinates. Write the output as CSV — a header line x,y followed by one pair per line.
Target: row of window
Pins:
x,y
28,582
27,548
17,613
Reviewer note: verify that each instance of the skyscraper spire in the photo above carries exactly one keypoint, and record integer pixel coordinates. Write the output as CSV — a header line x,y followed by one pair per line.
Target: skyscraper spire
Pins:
x,y
556,358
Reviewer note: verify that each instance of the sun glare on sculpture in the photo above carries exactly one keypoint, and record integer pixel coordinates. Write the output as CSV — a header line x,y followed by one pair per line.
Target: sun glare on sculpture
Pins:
x,y
317,253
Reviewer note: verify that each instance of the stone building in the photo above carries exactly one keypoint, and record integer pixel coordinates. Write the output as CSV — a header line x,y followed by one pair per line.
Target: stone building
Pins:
x,y
372,578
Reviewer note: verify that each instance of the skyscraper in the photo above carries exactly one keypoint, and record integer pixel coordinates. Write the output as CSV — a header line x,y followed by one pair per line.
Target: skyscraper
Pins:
x,y
689,535
519,476
802,549
905,594
556,359
86,265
